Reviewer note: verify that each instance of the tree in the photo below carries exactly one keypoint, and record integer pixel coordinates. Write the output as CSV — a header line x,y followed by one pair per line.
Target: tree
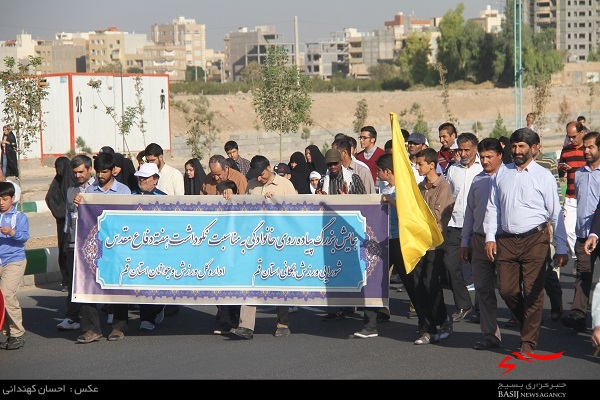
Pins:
x,y
413,59
360,115
251,73
23,95
282,101
132,115
541,94
499,128
203,132
451,44
383,72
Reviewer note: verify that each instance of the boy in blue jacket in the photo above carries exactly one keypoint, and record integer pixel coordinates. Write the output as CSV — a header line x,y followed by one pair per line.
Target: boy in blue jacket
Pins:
x,y
14,232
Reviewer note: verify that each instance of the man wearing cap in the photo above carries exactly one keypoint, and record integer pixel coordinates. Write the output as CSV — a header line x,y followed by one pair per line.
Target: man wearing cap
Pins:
x,y
338,179
219,172
415,143
147,177
343,145
266,184
171,179
283,170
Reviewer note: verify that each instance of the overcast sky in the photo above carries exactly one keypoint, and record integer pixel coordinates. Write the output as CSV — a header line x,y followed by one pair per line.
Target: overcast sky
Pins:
x,y
316,18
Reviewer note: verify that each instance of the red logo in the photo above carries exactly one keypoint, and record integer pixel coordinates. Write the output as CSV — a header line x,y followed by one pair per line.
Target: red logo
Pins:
x,y
527,357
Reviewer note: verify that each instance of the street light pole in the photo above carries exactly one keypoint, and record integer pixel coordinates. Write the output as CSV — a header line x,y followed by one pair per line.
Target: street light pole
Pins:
x,y
122,106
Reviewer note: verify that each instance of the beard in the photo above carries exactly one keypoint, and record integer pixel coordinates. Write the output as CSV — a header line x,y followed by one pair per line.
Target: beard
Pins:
x,y
521,158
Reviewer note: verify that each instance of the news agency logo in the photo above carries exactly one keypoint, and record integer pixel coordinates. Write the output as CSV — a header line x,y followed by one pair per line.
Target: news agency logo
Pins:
x,y
526,357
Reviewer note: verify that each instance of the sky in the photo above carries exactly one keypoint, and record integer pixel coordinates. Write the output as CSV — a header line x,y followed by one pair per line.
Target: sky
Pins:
x,y
317,19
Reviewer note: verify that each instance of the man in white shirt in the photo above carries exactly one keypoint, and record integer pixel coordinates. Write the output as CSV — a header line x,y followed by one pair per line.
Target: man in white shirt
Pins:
x,y
171,179
460,176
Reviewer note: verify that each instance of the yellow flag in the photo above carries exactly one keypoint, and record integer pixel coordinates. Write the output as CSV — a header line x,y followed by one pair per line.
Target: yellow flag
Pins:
x,y
417,226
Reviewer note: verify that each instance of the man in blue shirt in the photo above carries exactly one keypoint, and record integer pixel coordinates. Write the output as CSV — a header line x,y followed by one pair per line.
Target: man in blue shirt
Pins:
x,y
587,193
523,200
90,320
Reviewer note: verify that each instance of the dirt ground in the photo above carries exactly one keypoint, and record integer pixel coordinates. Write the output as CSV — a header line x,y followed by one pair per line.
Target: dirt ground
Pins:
x,y
234,112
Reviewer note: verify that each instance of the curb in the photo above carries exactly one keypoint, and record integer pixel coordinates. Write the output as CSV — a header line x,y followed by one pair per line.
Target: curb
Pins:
x,y
33,206
42,267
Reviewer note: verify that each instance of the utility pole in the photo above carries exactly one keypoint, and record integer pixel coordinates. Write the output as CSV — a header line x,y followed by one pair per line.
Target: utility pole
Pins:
x,y
297,45
518,62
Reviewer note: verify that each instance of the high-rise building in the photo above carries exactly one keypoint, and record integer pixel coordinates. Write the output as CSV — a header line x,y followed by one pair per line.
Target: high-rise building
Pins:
x,y
187,33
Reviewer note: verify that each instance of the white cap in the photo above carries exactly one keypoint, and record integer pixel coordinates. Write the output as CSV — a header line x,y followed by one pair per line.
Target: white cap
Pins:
x,y
314,174
146,170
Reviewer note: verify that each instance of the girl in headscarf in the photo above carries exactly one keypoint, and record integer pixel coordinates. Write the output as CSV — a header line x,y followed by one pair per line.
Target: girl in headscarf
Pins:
x,y
194,176
315,159
56,199
314,177
299,173
124,171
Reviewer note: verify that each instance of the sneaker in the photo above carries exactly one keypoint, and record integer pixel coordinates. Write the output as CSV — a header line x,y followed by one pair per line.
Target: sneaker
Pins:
x,y
282,331
160,316
109,319
116,335
461,314
244,333
293,309
68,325
224,329
427,338
471,287
334,316
14,343
89,337
395,278
400,288
146,326
445,329
366,333
574,320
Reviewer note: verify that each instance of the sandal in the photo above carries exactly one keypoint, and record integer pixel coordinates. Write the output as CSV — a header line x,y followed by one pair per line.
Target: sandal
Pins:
x,y
427,338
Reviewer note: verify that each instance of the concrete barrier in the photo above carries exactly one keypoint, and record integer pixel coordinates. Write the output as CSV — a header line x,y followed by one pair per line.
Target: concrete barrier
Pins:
x,y
42,267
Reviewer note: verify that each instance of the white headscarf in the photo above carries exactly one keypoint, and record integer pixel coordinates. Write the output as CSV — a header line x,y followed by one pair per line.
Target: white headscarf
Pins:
x,y
313,174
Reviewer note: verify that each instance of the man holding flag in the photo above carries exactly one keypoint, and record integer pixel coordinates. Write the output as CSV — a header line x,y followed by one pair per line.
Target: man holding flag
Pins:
x,y
418,228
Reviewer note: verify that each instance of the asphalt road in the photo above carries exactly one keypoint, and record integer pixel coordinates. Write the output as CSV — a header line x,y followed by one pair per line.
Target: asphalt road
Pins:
x,y
184,348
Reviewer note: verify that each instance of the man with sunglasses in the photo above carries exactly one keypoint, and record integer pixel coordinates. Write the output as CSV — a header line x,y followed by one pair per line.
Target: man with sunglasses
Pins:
x,y
571,159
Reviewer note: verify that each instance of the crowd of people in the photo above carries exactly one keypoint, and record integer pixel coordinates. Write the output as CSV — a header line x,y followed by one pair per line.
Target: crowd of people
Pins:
x,y
496,202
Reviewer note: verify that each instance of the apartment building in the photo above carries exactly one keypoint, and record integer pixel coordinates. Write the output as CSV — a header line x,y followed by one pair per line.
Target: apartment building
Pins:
x,y
246,46
324,59
163,58
577,24
110,46
183,32
20,49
